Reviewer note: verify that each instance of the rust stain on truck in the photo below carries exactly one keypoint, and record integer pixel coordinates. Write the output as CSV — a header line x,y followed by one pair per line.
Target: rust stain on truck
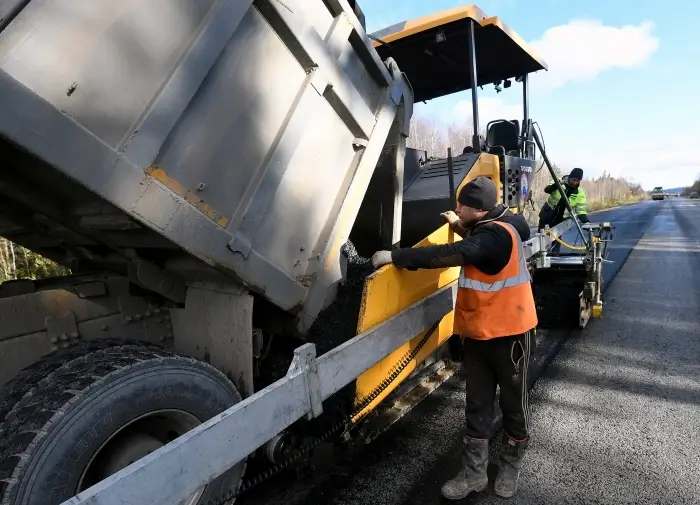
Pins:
x,y
160,175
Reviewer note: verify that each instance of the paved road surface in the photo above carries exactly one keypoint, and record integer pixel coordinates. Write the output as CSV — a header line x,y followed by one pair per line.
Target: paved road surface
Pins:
x,y
616,416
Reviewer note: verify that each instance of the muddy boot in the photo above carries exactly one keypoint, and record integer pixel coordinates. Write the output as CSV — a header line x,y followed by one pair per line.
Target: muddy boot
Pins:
x,y
509,467
472,476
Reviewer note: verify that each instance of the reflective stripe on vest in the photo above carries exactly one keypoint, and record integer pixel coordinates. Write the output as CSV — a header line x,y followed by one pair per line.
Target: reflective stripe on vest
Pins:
x,y
522,277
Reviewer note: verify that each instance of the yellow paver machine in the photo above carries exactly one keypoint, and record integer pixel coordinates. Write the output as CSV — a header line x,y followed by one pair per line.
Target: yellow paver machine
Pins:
x,y
215,174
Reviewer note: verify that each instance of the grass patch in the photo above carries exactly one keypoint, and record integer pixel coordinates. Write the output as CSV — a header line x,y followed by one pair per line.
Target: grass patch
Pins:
x,y
602,204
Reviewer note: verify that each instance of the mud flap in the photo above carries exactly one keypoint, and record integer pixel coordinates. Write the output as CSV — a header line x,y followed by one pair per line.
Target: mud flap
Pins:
x,y
559,296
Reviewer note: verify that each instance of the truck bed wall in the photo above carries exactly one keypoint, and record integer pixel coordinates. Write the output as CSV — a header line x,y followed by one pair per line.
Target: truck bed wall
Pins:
x,y
242,133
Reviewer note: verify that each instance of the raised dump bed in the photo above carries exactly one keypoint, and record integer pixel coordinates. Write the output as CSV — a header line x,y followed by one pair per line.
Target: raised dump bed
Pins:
x,y
199,166
219,140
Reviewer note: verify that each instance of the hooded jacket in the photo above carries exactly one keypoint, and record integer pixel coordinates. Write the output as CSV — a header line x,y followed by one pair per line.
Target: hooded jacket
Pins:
x,y
486,246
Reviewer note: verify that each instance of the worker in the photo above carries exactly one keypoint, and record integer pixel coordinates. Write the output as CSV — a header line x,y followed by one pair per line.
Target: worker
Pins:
x,y
554,210
495,316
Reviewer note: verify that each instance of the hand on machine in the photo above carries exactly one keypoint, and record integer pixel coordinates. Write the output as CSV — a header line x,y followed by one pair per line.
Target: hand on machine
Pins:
x,y
450,217
381,258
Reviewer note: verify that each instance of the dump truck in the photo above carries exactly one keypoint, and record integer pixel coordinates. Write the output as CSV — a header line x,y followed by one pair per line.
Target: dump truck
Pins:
x,y
215,174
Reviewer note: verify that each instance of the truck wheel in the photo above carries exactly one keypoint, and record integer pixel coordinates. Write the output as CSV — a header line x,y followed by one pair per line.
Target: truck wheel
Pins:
x,y
83,413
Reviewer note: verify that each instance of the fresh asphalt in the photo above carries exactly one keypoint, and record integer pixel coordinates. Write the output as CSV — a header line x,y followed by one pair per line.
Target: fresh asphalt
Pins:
x,y
615,416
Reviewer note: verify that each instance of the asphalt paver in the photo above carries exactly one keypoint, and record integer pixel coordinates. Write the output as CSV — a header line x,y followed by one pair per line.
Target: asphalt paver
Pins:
x,y
615,416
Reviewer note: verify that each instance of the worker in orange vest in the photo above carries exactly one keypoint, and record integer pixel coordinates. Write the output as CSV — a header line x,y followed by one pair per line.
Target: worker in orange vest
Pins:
x,y
495,314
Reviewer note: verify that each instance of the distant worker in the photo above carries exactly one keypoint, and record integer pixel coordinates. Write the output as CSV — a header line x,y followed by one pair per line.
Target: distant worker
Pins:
x,y
554,210
495,316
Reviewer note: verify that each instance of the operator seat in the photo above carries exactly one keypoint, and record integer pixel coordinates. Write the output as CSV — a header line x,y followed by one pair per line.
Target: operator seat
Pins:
x,y
503,139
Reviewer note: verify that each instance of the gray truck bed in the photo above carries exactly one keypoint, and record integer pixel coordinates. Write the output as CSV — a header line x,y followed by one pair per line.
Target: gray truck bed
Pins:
x,y
179,141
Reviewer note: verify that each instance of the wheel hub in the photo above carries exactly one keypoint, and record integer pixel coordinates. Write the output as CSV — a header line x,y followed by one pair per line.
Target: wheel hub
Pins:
x,y
135,440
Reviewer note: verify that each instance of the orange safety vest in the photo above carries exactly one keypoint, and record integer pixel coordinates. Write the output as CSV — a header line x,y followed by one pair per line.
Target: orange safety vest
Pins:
x,y
501,305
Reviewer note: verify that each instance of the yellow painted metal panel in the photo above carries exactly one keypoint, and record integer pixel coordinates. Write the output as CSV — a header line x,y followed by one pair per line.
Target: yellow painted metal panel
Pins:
x,y
487,165
455,14
390,290
387,292
498,23
433,20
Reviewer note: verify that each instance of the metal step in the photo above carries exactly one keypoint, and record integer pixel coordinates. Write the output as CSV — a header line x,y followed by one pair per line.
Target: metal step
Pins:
x,y
570,260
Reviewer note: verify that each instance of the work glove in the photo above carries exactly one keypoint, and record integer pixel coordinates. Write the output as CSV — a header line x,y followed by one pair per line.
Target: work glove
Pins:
x,y
381,258
450,217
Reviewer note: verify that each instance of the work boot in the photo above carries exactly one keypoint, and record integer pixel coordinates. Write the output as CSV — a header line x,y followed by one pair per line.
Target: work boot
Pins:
x,y
509,467
472,476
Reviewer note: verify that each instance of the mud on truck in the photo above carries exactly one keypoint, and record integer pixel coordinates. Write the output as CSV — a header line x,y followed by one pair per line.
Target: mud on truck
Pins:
x,y
215,175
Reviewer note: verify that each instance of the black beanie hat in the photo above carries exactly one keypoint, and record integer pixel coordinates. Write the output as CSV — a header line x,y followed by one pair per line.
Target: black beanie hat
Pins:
x,y
576,173
481,193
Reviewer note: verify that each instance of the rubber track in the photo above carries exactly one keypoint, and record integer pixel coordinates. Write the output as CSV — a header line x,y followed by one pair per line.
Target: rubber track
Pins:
x,y
40,392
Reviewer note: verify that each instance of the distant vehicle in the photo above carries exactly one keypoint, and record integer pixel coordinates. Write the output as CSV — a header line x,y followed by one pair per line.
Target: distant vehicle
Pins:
x,y
693,195
657,193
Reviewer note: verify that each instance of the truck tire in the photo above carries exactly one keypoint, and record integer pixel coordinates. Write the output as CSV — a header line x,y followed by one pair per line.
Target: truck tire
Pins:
x,y
81,414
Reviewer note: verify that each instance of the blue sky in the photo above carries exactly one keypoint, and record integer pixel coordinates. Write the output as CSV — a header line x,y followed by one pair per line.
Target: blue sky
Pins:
x,y
620,92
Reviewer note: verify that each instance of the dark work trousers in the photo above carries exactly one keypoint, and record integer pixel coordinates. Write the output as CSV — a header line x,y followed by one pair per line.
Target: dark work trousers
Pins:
x,y
505,362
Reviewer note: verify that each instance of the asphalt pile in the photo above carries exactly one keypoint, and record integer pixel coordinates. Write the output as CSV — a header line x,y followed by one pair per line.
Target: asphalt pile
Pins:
x,y
337,323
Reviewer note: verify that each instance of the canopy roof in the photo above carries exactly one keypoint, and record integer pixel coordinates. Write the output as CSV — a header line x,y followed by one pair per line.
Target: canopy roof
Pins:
x,y
433,51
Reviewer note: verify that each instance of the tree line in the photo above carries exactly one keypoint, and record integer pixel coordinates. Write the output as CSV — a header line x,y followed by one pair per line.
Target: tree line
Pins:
x,y
16,262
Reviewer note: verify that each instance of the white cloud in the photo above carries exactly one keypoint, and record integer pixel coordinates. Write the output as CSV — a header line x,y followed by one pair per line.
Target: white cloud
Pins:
x,y
671,163
582,49
579,52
